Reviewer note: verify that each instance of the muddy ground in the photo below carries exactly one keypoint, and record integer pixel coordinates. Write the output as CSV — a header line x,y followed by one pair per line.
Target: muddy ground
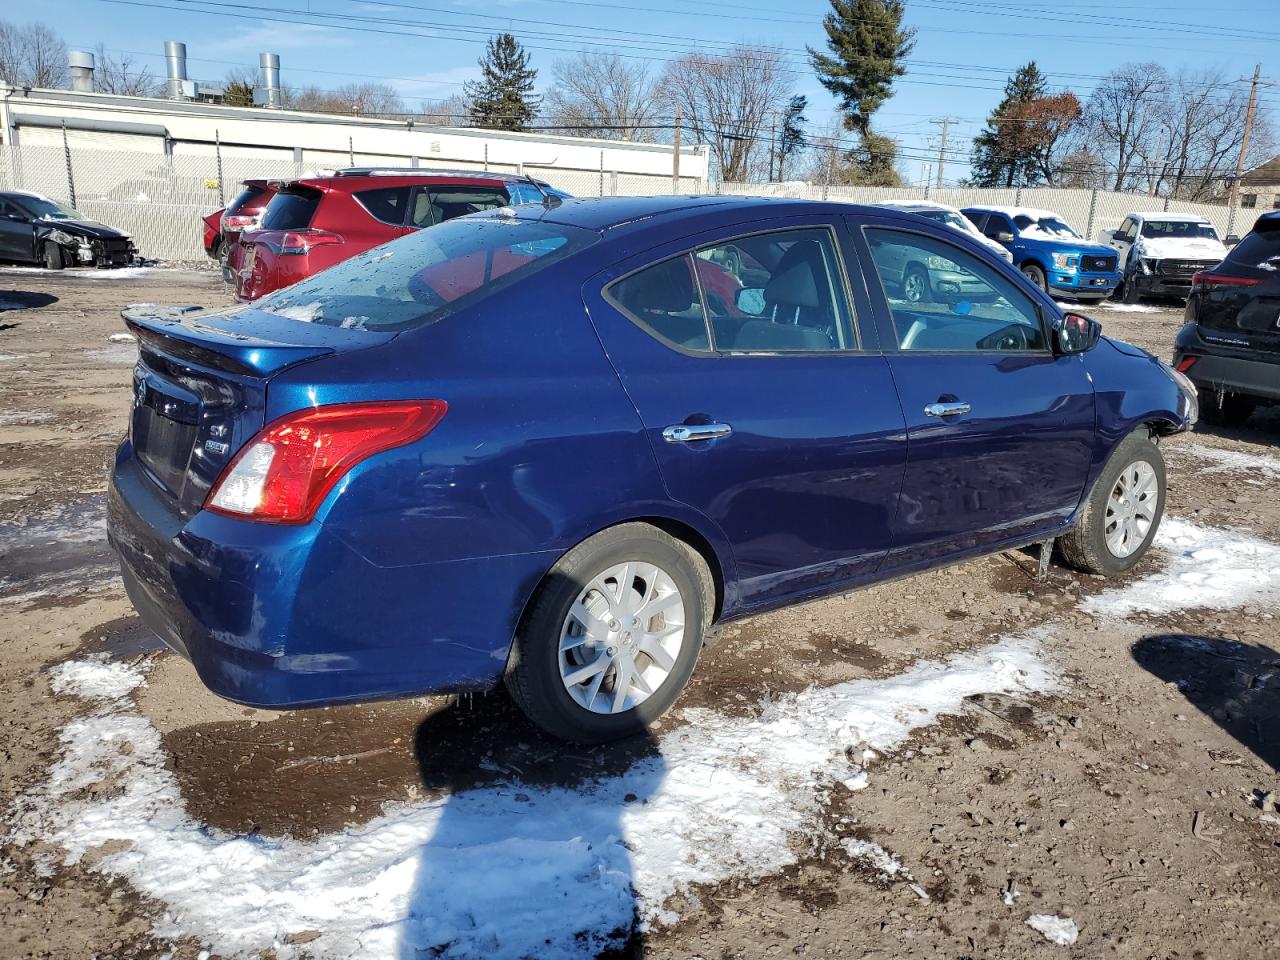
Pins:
x,y
1129,801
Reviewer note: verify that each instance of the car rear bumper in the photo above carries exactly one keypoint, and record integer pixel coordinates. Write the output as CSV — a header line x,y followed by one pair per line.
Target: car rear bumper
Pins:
x,y
282,616
1255,373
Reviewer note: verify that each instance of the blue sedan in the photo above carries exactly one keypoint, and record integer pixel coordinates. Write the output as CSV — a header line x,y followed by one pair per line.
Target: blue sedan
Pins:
x,y
556,444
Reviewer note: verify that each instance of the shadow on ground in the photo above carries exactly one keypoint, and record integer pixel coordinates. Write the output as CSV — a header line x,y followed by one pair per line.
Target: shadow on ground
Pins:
x,y
1237,684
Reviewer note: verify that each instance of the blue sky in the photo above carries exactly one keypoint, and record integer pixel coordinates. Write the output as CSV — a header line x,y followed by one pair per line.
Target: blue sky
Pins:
x,y
964,51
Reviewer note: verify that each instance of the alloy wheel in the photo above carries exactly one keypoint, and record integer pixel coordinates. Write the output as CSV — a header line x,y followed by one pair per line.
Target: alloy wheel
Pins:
x,y
1131,509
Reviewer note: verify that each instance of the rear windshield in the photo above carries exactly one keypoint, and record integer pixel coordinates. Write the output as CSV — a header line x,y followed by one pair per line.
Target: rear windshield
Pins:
x,y
1181,229
1257,247
291,209
422,278
247,195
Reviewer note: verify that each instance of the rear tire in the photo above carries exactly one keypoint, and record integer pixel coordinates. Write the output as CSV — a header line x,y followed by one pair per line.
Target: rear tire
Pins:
x,y
52,256
1123,512
581,662
1223,409
1131,293
1033,273
915,285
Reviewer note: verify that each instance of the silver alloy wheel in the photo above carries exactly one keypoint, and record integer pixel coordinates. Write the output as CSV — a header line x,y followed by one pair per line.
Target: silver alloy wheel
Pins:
x,y
1131,508
621,638
913,286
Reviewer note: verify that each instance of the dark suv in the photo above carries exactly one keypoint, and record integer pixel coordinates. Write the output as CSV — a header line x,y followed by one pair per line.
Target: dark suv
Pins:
x,y
315,222
1230,347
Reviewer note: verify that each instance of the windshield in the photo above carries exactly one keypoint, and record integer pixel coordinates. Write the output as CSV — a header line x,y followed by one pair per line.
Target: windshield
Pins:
x,y
947,217
426,276
44,209
1182,229
1050,227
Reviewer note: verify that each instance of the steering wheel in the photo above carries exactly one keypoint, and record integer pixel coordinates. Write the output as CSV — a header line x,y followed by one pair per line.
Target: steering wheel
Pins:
x,y
1012,337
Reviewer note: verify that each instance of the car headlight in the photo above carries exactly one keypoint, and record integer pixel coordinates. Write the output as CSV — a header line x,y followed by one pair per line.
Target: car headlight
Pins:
x,y
941,263
1190,395
1065,261
61,236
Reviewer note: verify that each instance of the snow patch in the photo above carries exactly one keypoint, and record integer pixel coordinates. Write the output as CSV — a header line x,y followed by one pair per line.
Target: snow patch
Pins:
x,y
1263,469
123,337
122,353
1128,307
1060,930
97,678
487,872
305,313
12,417
1207,568
87,273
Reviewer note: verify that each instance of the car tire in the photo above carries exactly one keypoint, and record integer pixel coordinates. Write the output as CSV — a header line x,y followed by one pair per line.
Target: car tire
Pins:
x,y
1131,293
52,257
1222,409
1033,273
1130,494
915,285
564,674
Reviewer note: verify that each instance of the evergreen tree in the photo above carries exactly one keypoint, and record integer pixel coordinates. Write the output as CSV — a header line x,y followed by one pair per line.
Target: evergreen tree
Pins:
x,y
868,46
502,99
1003,153
793,134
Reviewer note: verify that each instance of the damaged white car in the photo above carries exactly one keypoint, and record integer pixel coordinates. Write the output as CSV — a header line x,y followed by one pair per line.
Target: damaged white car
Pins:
x,y
1160,253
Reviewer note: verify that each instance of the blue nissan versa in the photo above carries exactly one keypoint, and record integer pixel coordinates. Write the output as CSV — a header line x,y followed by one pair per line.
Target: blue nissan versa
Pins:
x,y
1049,253
555,444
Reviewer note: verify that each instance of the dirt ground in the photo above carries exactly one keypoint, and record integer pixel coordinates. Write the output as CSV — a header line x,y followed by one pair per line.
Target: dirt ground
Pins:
x,y
1131,801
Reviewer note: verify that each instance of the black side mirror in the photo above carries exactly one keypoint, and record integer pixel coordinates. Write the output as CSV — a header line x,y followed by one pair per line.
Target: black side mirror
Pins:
x,y
1004,236
15,218
1232,240
1075,333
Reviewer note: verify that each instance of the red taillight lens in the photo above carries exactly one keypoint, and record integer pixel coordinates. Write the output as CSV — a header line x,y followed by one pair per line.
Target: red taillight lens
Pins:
x,y
298,242
239,222
1203,278
1186,363
283,474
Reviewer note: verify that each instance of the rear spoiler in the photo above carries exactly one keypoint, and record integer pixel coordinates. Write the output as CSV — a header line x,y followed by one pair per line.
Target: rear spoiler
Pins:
x,y
185,333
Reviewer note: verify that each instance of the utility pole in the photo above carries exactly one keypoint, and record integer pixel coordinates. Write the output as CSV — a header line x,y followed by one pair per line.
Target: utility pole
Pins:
x,y
1153,176
773,141
1248,129
675,157
945,122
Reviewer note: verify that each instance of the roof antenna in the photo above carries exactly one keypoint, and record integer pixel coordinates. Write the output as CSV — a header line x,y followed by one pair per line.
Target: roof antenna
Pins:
x,y
549,201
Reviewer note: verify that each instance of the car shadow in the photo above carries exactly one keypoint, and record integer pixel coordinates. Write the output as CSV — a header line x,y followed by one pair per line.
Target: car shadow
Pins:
x,y
13,300
529,853
1235,683
1262,428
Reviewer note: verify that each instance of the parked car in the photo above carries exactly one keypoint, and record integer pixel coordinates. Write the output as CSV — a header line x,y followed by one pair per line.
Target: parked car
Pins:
x,y
317,221
1049,253
222,228
1160,252
1230,346
917,279
526,445
35,229
941,213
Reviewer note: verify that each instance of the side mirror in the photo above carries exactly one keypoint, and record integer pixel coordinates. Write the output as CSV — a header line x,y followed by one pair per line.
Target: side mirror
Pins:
x,y
751,300
1232,240
1075,333
1004,236
15,218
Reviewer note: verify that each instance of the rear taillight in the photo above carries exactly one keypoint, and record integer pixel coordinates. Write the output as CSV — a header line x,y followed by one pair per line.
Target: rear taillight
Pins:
x,y
239,221
283,474
299,242
1204,278
1185,364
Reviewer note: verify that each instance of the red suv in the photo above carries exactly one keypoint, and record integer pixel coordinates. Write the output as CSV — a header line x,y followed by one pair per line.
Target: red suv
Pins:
x,y
223,228
314,222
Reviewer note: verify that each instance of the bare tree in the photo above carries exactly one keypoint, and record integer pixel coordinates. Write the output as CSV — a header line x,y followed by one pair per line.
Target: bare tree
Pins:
x,y
366,99
451,111
727,102
32,56
602,95
122,75
1122,120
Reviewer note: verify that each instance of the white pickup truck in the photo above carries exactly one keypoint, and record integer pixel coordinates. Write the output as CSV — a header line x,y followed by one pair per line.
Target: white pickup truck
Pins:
x,y
1160,252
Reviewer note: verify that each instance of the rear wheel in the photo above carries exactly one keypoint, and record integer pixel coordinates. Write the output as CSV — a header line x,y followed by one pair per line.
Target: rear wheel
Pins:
x,y
1035,275
52,256
1131,293
1224,409
1123,512
612,635
915,285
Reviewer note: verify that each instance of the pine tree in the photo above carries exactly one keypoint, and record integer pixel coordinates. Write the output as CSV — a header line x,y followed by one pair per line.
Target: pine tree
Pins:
x,y
793,137
868,46
502,99
1003,154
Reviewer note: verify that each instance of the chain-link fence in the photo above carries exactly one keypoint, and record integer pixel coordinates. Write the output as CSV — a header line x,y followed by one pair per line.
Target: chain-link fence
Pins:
x,y
158,196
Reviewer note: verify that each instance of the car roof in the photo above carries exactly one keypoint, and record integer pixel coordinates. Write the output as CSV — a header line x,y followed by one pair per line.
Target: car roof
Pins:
x,y
915,206
25,194
1032,212
1169,216
353,179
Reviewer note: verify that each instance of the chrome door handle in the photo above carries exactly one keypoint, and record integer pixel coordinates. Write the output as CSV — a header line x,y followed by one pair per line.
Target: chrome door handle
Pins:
x,y
946,409
685,432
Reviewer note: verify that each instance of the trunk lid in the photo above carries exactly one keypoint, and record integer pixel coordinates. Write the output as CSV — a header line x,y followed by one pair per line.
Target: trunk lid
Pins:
x,y
200,386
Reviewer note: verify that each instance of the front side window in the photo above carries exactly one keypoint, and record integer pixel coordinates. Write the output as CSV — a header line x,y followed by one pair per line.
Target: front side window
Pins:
x,y
943,299
996,225
427,275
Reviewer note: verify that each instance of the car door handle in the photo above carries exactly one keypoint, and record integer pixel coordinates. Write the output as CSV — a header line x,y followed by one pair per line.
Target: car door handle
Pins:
x,y
946,409
686,432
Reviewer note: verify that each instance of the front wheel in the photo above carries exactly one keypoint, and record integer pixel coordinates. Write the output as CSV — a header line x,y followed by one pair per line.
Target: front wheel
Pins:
x,y
1123,512
53,259
1131,292
612,635
915,285
1035,275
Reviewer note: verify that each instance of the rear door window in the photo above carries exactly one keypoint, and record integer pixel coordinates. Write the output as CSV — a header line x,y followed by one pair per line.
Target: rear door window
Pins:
x,y
663,299
386,204
291,209
436,204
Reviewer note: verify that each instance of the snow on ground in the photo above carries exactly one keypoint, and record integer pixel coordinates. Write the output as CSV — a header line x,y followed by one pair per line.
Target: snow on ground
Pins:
x,y
97,678
123,353
1207,568
1060,930
10,418
88,273
59,551
1108,305
506,871
1261,469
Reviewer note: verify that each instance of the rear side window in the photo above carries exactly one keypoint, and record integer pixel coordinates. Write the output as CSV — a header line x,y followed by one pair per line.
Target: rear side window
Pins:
x,y
424,277
291,209
385,204
664,300
1257,247
246,196
432,205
